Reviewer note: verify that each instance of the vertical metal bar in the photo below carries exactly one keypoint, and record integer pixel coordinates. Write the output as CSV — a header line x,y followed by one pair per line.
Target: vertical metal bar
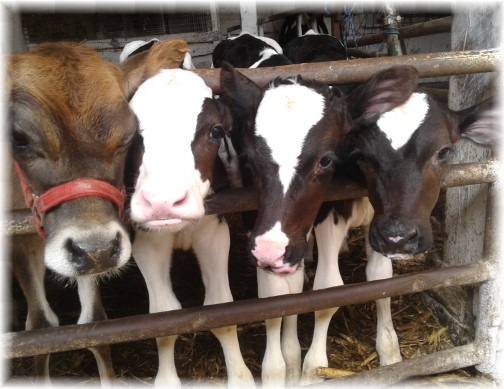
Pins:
x,y
390,21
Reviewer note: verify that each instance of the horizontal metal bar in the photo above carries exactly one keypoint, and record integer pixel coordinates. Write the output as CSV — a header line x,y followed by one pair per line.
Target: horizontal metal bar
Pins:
x,y
239,200
415,30
190,320
470,173
359,70
438,362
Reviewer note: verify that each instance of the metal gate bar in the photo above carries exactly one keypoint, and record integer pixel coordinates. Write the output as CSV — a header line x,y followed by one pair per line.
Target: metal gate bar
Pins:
x,y
190,320
239,200
359,70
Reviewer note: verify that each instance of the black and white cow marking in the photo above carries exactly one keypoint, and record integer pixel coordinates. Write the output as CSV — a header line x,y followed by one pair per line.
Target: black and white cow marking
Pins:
x,y
314,47
249,51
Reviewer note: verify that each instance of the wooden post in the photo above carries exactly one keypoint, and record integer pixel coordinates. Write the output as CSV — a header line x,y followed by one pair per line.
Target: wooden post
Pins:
x,y
15,34
473,28
248,13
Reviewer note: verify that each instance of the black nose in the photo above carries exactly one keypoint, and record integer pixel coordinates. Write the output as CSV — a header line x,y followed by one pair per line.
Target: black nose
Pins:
x,y
398,235
95,257
395,236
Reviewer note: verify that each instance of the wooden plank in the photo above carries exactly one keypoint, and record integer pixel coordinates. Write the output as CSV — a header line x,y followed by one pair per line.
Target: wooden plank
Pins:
x,y
119,43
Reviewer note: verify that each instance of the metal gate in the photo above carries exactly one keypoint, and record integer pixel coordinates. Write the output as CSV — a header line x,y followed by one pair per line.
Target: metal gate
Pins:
x,y
483,273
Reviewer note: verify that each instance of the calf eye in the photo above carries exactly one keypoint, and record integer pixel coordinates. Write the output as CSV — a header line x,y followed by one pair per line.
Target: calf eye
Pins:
x,y
444,153
326,161
19,140
217,132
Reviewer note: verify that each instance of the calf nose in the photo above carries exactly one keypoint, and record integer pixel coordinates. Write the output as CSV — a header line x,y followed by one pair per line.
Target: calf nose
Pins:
x,y
270,254
398,235
95,257
394,236
163,206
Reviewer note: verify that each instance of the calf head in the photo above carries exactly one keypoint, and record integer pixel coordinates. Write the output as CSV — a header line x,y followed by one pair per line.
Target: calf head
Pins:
x,y
288,134
182,126
401,153
71,127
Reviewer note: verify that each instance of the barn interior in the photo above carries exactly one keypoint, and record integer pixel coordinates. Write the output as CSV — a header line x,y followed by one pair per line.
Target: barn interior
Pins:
x,y
426,322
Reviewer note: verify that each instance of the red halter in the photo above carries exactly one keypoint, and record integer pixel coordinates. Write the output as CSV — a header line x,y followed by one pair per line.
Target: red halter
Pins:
x,y
72,190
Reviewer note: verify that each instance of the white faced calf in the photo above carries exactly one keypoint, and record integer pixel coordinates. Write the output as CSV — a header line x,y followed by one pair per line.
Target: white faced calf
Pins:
x,y
182,127
296,136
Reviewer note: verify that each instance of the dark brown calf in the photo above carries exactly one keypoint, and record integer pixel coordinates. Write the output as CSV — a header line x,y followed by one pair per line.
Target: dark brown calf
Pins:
x,y
400,155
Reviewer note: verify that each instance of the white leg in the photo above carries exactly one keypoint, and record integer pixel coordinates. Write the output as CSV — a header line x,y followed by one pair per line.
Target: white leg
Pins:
x,y
291,350
387,345
330,239
211,246
92,310
274,368
152,252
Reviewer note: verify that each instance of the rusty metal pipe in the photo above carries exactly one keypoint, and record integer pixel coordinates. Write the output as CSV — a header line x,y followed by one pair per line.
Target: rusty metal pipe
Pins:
x,y
239,200
361,69
190,320
415,30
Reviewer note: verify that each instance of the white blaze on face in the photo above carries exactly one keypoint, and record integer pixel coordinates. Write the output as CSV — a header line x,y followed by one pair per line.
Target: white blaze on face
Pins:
x,y
401,122
284,118
167,106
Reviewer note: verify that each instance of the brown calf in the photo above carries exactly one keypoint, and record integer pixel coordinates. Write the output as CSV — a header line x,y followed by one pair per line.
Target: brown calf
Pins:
x,y
71,127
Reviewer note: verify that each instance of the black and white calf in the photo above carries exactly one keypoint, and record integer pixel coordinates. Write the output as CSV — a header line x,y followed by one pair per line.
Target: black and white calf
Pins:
x,y
295,137
314,47
249,51
182,126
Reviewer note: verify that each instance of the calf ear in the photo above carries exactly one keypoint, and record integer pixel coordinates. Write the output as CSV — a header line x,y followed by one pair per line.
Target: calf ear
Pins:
x,y
239,92
382,92
162,55
480,123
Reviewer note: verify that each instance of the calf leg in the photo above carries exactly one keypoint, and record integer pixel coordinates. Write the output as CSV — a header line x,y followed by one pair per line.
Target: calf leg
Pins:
x,y
282,358
330,239
211,246
387,345
92,310
29,270
152,252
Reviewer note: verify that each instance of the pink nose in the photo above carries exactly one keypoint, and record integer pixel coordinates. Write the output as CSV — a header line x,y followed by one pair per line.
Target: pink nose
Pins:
x,y
163,206
271,254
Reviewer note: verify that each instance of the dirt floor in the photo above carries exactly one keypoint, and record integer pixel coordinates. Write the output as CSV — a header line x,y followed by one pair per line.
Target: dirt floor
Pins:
x,y
199,358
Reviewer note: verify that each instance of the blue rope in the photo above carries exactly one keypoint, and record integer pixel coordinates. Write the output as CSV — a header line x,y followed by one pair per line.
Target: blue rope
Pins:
x,y
348,25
